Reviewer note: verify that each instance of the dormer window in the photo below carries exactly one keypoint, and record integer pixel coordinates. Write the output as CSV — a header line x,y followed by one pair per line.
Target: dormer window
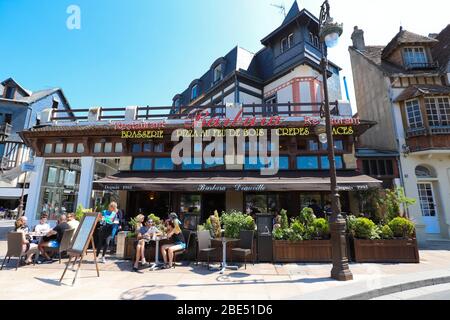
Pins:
x,y
287,43
415,58
9,92
177,105
194,92
217,73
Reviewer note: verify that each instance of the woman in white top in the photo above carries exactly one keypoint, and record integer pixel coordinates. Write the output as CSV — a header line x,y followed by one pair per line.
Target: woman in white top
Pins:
x,y
27,246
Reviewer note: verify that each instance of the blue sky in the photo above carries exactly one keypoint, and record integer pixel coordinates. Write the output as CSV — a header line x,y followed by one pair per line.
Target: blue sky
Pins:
x,y
143,52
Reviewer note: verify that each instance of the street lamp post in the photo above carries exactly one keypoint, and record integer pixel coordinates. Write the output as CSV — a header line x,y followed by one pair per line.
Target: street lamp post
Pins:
x,y
329,34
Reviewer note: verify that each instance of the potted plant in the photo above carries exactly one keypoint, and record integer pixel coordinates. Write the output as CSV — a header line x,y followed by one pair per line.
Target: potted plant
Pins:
x,y
304,239
392,242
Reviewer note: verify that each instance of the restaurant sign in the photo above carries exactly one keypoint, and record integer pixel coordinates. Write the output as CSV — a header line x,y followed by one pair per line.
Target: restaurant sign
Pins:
x,y
354,187
237,187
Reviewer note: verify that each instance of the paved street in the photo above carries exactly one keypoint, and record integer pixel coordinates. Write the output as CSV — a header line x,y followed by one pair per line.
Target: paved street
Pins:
x,y
260,282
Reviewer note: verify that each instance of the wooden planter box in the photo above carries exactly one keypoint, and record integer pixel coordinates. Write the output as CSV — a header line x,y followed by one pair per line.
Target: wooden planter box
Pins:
x,y
389,251
302,251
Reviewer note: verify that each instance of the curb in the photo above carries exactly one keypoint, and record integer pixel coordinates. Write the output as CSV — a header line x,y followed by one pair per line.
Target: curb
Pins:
x,y
398,288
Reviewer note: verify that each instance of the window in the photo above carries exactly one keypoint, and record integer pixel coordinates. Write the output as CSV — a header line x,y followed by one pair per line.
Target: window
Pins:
x,y
217,73
378,167
270,107
97,147
8,118
307,163
59,147
325,164
314,40
141,164
52,173
283,163
108,147
287,43
194,92
438,111
136,148
426,197
148,147
80,148
9,92
70,147
177,105
159,147
413,114
48,148
415,57
423,172
162,164
118,147
313,145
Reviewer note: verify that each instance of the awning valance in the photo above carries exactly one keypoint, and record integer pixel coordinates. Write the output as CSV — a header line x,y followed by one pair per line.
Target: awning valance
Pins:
x,y
236,181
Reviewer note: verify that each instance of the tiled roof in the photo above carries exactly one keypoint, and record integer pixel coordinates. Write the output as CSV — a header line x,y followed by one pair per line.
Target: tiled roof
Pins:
x,y
421,90
441,50
405,37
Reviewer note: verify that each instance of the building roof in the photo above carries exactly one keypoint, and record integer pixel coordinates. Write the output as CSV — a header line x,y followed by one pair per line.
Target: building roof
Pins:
x,y
16,84
418,90
405,37
441,50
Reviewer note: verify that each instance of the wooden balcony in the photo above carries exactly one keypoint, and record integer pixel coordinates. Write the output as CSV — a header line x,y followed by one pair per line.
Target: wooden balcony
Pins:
x,y
432,138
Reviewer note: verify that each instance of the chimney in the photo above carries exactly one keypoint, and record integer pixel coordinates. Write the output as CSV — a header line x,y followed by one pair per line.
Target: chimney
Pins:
x,y
358,39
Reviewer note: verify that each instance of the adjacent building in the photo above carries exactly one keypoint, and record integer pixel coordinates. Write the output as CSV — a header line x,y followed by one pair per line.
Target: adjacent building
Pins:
x,y
404,87
19,110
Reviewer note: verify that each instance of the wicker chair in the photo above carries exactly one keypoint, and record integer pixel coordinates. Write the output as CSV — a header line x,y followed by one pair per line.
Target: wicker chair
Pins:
x,y
204,245
65,243
15,248
245,245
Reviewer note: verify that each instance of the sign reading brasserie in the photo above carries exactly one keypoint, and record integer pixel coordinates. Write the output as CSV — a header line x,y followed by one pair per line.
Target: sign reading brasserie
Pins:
x,y
237,127
237,187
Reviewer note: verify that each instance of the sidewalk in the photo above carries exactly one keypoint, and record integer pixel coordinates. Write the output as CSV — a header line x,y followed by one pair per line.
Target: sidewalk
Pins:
x,y
260,282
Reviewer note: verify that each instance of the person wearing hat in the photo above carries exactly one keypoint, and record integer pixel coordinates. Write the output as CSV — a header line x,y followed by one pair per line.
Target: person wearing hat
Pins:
x,y
146,233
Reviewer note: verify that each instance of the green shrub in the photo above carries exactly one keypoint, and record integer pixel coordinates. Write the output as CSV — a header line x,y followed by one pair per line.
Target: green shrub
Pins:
x,y
320,228
298,231
402,227
386,232
291,235
284,219
307,216
234,222
362,228
278,234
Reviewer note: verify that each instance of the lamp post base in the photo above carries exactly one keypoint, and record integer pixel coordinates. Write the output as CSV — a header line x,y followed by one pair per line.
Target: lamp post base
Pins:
x,y
341,270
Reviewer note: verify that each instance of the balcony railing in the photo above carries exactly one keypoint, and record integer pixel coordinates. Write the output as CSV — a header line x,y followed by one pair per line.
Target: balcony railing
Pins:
x,y
149,113
433,130
421,65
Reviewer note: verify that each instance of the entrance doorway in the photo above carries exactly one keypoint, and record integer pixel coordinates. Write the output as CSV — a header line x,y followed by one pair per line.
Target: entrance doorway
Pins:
x,y
212,202
147,203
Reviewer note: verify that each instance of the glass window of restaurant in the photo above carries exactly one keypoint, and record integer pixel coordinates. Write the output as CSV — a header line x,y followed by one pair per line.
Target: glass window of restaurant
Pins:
x,y
59,188
104,168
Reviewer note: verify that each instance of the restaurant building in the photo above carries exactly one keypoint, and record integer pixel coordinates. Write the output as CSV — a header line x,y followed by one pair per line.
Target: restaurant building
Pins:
x,y
266,105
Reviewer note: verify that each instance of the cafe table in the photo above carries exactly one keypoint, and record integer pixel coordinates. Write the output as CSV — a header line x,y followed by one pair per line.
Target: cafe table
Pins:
x,y
156,265
225,241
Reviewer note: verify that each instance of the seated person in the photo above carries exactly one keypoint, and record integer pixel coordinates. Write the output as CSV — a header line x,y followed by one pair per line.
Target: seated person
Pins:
x,y
146,233
72,222
27,246
318,212
179,243
53,238
43,227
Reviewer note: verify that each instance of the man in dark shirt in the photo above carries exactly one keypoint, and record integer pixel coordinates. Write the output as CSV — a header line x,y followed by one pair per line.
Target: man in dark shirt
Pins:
x,y
53,238
318,212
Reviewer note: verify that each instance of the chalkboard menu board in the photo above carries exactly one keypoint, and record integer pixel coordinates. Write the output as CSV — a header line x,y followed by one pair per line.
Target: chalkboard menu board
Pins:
x,y
84,233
